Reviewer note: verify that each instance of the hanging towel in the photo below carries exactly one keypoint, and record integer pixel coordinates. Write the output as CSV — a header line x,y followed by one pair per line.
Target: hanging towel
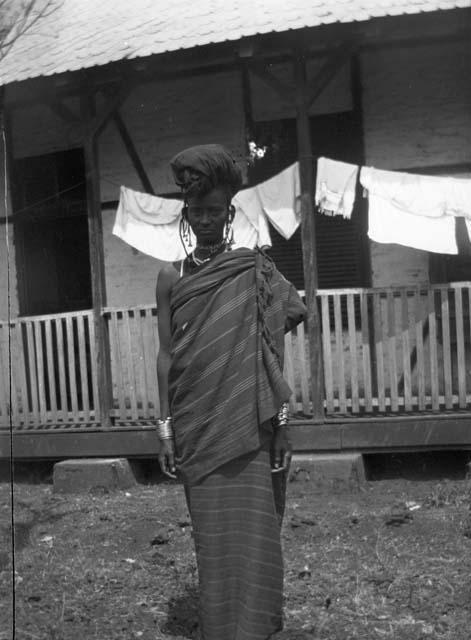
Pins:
x,y
280,199
150,224
335,187
398,214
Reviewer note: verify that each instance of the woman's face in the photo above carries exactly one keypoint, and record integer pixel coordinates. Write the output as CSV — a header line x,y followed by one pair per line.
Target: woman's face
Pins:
x,y
207,216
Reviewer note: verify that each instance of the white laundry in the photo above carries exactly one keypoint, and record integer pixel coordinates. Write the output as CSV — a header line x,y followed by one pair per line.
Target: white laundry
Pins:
x,y
392,218
151,224
335,187
280,198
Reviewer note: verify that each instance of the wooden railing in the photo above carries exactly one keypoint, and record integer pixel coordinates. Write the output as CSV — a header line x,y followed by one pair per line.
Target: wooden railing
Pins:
x,y
385,351
395,350
47,373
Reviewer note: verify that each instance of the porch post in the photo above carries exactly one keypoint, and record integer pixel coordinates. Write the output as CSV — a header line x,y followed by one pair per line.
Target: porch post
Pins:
x,y
97,267
308,236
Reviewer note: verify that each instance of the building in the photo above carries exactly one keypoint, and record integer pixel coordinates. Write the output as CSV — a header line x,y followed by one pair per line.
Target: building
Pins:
x,y
114,92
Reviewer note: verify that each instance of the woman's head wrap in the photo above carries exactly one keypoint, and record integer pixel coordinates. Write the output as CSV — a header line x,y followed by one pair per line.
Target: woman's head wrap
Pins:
x,y
199,169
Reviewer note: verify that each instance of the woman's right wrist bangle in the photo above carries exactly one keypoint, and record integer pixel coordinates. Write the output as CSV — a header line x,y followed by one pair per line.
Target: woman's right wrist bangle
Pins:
x,y
164,428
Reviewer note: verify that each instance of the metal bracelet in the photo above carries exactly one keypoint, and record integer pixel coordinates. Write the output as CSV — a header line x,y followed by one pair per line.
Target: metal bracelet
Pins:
x,y
164,428
282,417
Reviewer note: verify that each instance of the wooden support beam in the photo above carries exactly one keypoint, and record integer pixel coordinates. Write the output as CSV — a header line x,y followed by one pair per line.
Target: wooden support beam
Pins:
x,y
97,267
64,113
132,152
114,102
285,91
334,63
308,236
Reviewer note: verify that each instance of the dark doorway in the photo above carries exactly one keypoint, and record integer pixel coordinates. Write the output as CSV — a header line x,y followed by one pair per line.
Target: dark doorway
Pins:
x,y
51,233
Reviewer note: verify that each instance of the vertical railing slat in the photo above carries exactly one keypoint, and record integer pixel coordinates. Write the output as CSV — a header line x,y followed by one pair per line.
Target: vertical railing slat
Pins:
x,y
40,371
4,371
406,351
33,386
419,342
460,347
352,340
327,354
118,362
155,350
392,356
302,357
366,353
83,367
289,371
446,345
379,349
340,354
20,365
130,364
434,380
69,332
61,370
91,334
51,377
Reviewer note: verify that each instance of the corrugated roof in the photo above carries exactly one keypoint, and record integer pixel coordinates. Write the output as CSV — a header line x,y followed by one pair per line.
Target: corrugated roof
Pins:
x,y
87,33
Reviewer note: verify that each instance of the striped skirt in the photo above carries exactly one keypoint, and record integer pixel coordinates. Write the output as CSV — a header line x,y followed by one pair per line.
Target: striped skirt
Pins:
x,y
236,513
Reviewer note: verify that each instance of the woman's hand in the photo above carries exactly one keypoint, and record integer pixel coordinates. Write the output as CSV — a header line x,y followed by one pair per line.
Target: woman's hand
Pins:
x,y
280,450
167,458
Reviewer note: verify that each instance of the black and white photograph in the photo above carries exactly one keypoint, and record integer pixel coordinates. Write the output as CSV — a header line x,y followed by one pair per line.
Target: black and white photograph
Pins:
x,y
235,320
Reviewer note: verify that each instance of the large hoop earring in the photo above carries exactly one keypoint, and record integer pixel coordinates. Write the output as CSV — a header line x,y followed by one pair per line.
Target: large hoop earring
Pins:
x,y
185,231
229,231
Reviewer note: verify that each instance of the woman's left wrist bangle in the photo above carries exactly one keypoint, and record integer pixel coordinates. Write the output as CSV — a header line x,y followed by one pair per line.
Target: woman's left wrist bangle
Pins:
x,y
164,428
282,417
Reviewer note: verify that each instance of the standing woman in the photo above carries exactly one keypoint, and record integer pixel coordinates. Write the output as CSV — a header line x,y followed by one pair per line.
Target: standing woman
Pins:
x,y
222,316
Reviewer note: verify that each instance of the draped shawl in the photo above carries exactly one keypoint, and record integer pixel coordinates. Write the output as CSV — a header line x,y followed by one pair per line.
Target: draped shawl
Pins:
x,y
228,324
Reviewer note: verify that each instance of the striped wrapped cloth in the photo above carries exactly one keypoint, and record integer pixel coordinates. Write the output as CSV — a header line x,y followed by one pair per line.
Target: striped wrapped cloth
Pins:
x,y
228,324
236,513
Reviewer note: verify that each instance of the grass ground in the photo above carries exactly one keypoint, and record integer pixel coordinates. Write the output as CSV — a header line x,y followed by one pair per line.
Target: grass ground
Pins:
x,y
392,560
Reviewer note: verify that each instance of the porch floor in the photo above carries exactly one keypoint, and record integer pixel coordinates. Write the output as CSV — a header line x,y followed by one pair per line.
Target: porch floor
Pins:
x,y
134,439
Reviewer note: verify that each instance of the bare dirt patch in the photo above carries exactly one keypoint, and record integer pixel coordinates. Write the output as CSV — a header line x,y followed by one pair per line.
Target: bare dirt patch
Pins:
x,y
390,561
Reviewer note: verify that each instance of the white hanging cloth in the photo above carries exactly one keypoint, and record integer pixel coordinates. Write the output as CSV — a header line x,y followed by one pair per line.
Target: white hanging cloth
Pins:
x,y
335,187
151,223
414,210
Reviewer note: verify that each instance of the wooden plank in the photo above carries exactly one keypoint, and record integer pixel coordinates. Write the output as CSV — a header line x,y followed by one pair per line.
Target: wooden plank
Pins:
x,y
69,332
150,357
51,377
40,371
419,346
392,356
366,353
155,350
288,371
308,236
101,348
352,338
33,384
139,364
301,348
81,337
327,351
446,346
460,347
95,395
342,394
118,362
61,370
406,351
432,322
378,332
14,371
129,359
20,367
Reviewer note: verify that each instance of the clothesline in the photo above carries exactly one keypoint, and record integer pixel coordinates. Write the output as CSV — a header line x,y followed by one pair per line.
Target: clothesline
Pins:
x,y
407,209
